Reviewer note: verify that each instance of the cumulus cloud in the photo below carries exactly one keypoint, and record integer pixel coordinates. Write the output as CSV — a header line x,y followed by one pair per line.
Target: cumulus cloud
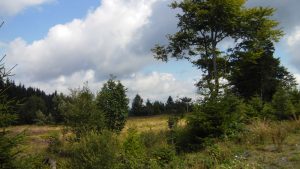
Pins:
x,y
13,7
292,45
159,86
153,86
114,38
287,13
106,41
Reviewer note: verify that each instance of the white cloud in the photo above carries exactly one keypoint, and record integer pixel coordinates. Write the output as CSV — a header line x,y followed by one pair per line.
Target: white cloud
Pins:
x,y
158,86
64,83
105,41
297,76
13,7
115,38
292,47
294,38
153,86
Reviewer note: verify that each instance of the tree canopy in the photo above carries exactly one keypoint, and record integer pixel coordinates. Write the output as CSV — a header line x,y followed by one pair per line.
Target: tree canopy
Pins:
x,y
204,24
112,100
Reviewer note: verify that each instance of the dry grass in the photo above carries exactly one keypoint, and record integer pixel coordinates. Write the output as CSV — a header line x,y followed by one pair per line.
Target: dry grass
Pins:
x,y
36,140
154,123
263,132
37,137
266,144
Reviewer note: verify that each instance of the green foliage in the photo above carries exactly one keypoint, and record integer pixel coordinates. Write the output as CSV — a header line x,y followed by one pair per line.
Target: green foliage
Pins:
x,y
137,108
41,118
95,150
8,149
112,101
31,161
29,109
81,112
134,151
29,101
204,24
215,118
295,99
259,75
173,122
8,144
254,108
282,105
268,111
7,115
164,155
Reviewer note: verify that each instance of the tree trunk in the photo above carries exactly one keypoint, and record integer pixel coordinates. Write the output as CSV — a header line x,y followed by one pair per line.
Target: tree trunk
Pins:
x,y
215,74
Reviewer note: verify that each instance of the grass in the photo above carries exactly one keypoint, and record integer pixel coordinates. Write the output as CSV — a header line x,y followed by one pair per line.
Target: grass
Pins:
x,y
151,123
36,140
37,136
264,144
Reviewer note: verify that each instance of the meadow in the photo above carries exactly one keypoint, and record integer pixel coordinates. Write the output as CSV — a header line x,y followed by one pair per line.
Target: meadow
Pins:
x,y
263,144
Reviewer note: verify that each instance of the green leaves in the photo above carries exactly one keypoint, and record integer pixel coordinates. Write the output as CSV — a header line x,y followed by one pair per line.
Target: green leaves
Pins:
x,y
113,102
203,24
81,112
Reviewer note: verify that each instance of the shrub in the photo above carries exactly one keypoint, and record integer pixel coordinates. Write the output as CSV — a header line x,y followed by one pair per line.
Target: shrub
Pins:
x,y
113,102
134,156
258,132
268,111
222,117
279,133
282,104
173,122
218,154
81,113
31,161
95,150
164,155
255,105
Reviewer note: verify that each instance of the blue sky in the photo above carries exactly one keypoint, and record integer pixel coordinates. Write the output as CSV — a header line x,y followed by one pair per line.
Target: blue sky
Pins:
x,y
42,17
60,44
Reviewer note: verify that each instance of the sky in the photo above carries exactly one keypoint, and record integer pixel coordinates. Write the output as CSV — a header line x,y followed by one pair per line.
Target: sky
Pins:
x,y
61,44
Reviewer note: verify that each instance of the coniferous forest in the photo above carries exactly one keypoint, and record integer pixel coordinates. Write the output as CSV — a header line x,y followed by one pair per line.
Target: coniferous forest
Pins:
x,y
246,114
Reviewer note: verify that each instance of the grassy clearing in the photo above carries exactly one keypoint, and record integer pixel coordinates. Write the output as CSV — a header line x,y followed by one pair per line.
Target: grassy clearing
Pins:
x,y
37,137
264,144
152,123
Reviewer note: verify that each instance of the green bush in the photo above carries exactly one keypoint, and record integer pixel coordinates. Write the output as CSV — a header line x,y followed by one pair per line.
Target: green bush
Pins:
x,y
81,112
95,150
282,105
134,156
32,162
164,155
113,102
223,117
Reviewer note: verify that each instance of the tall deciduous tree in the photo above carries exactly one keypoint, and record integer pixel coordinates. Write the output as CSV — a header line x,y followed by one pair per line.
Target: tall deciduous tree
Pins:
x,y
204,24
112,100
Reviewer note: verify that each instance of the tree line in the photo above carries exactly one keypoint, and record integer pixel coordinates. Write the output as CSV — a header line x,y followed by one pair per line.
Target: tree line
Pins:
x,y
36,107
177,107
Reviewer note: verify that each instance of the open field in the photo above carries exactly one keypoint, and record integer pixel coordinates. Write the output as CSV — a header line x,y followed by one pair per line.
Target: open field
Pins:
x,y
37,136
265,145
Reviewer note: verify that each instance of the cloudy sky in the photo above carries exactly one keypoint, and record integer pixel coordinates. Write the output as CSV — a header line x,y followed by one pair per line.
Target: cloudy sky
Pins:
x,y
60,44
